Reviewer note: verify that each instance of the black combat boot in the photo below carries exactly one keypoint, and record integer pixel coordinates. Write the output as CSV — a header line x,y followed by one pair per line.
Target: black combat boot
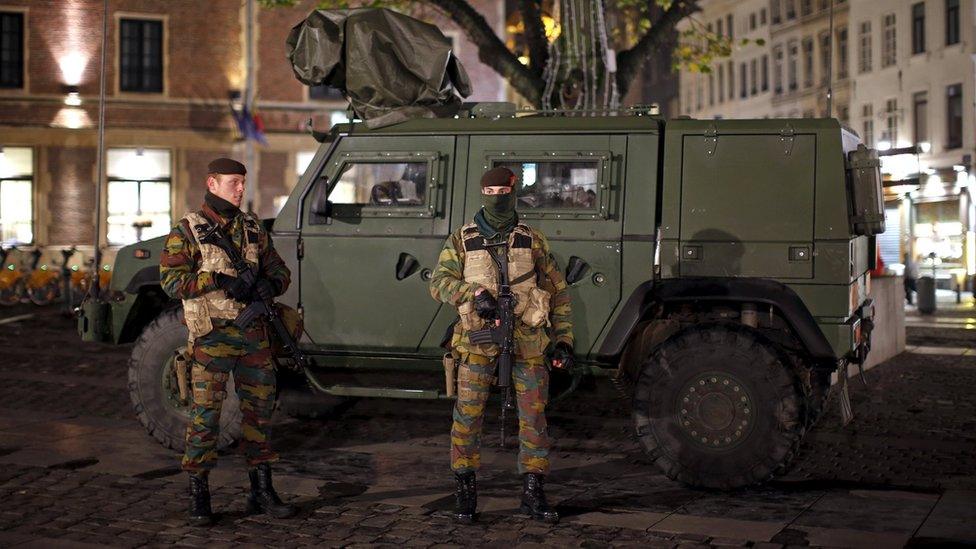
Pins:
x,y
534,499
263,498
200,513
465,497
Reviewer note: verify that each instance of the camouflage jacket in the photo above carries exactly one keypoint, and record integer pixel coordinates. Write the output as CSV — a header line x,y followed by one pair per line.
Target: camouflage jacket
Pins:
x,y
447,285
178,264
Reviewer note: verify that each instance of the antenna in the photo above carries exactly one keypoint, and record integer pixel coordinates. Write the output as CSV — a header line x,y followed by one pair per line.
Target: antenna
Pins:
x,y
830,63
100,158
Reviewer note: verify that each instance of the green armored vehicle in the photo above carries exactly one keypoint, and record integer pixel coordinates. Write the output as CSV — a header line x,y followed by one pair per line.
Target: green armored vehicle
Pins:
x,y
718,270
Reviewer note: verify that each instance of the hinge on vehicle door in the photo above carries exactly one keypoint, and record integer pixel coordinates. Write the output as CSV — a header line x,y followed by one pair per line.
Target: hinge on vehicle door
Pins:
x,y
300,249
786,136
711,140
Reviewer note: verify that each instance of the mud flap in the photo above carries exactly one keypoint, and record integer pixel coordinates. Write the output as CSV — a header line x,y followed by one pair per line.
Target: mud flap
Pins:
x,y
844,397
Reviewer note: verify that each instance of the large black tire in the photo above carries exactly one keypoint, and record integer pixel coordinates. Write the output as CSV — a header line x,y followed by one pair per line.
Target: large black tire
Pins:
x,y
153,389
718,406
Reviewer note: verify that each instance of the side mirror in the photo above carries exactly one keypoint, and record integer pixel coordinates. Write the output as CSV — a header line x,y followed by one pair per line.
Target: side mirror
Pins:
x,y
576,270
322,211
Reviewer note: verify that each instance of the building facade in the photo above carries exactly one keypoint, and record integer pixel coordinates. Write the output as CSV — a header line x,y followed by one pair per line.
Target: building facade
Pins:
x,y
177,74
902,76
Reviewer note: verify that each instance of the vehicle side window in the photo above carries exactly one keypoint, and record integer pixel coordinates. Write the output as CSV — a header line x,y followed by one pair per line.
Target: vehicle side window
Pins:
x,y
374,188
385,184
556,184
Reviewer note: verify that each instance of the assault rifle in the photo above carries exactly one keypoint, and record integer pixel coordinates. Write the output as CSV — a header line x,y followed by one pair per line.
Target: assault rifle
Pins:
x,y
502,329
211,234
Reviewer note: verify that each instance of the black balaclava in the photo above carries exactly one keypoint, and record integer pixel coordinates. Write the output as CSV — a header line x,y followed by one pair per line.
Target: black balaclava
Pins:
x,y
498,213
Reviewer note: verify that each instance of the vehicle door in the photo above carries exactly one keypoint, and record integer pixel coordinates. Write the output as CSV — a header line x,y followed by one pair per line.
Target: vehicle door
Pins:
x,y
375,221
569,189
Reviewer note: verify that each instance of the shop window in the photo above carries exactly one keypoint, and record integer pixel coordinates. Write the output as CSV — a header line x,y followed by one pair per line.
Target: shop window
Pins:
x,y
16,195
11,50
556,184
141,55
139,182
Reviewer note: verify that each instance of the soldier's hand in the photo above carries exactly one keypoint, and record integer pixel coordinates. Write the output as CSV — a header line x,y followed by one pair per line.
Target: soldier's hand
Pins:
x,y
237,288
562,356
264,290
485,304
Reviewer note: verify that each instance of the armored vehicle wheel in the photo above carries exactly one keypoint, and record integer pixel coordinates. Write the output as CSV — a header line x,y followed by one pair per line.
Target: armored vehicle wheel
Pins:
x,y
717,406
154,390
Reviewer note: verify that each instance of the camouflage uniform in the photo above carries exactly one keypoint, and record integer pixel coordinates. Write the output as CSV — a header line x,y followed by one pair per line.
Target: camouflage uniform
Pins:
x,y
226,349
476,371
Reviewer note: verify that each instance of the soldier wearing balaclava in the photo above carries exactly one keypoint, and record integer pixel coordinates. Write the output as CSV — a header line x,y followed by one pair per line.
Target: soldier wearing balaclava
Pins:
x,y
467,277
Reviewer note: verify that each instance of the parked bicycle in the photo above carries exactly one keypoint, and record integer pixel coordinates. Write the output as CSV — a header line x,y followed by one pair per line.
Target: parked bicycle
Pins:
x,y
10,279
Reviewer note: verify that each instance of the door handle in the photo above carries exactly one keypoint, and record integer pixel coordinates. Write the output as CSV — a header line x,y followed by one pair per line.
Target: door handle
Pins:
x,y
406,266
576,270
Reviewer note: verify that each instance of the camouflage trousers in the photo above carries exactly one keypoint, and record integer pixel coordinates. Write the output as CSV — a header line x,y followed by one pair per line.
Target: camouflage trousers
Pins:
x,y
247,355
476,374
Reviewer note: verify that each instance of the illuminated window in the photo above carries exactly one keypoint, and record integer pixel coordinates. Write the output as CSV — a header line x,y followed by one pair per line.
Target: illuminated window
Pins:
x,y
16,195
138,195
141,55
11,50
890,131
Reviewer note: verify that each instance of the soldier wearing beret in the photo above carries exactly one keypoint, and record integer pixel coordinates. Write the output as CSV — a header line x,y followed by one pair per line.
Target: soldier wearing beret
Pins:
x,y
467,278
213,294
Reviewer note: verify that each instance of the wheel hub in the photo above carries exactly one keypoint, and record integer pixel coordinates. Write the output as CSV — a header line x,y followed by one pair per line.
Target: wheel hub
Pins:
x,y
715,410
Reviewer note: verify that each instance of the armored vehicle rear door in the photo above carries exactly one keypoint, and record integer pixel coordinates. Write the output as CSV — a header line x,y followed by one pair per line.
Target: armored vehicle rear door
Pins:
x,y
570,190
746,204
367,263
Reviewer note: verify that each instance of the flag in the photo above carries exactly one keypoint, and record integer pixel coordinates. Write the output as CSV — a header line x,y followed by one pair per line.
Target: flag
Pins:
x,y
250,126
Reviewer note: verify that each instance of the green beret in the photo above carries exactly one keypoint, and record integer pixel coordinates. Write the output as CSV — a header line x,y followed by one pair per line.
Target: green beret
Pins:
x,y
226,166
498,177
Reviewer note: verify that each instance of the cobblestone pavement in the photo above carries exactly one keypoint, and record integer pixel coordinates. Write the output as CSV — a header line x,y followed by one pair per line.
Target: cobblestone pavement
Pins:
x,y
77,469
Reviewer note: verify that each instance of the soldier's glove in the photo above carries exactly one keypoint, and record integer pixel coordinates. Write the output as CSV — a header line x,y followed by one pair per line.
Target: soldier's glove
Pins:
x,y
485,305
237,288
264,290
562,356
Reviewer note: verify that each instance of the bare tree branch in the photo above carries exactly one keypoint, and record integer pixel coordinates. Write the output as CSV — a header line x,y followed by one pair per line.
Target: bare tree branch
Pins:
x,y
535,35
492,51
629,61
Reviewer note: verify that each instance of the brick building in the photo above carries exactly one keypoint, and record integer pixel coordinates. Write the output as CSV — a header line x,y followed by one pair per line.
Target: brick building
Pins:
x,y
173,71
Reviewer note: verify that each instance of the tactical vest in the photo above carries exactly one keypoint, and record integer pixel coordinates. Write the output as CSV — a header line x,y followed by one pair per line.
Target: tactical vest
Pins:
x,y
531,302
199,311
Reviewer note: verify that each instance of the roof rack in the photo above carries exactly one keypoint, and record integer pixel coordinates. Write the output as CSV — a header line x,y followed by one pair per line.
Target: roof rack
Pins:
x,y
502,109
